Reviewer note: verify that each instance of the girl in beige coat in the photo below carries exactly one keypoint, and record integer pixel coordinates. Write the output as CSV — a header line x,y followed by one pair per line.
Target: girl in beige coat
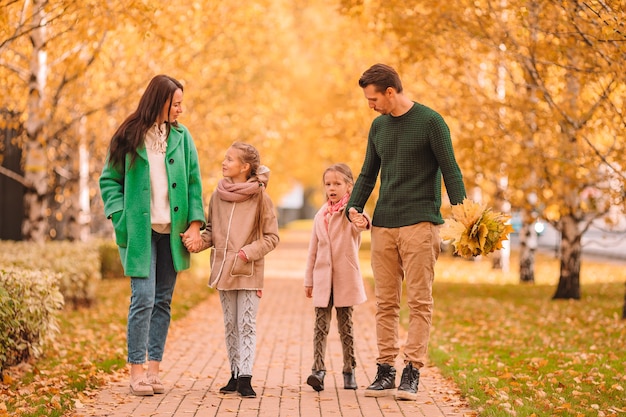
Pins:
x,y
333,276
241,229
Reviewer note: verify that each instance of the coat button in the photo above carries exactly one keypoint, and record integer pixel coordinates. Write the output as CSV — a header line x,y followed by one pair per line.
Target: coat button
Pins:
x,y
174,185
171,161
176,208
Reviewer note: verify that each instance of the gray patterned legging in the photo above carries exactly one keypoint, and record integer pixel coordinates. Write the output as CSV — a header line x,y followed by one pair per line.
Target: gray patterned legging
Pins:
x,y
240,308
320,335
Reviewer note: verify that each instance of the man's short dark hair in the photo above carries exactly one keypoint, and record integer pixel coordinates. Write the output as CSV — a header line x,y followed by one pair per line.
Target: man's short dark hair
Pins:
x,y
381,76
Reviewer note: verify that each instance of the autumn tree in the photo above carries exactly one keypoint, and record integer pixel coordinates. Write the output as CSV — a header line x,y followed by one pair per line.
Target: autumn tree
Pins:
x,y
261,72
562,63
281,75
47,51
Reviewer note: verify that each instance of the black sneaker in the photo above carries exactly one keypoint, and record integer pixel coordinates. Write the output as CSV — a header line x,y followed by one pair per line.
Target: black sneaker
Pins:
x,y
407,390
384,382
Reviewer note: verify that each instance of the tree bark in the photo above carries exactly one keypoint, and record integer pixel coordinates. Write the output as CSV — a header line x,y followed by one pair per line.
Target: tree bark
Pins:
x,y
571,252
501,259
34,226
528,245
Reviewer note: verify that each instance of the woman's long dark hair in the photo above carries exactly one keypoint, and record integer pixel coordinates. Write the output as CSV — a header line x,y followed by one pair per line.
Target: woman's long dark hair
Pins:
x,y
130,135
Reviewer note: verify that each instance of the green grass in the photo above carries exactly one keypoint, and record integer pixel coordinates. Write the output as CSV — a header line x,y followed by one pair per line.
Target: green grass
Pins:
x,y
512,350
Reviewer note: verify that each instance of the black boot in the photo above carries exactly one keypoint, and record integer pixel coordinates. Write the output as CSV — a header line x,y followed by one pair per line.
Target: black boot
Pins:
x,y
244,386
349,382
407,390
316,380
231,386
384,382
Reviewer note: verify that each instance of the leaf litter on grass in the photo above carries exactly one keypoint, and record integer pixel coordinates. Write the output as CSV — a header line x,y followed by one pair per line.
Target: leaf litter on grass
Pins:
x,y
89,352
514,351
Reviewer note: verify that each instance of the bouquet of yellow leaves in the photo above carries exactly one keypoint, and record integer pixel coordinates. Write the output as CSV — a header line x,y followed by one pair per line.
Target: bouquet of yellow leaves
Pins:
x,y
475,230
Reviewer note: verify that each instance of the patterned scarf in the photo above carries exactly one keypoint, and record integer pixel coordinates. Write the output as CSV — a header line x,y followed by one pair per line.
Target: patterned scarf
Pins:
x,y
240,191
156,138
334,208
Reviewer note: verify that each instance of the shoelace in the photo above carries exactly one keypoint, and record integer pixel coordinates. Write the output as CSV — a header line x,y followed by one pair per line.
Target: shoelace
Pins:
x,y
409,376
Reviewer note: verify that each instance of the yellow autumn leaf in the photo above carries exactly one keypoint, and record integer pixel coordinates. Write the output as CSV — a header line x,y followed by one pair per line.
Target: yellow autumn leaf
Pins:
x,y
451,229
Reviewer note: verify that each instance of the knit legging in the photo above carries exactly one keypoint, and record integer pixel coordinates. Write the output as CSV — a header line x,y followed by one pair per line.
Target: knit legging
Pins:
x,y
240,308
320,336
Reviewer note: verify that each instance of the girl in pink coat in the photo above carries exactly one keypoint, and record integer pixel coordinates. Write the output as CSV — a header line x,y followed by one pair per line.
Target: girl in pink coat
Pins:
x,y
333,276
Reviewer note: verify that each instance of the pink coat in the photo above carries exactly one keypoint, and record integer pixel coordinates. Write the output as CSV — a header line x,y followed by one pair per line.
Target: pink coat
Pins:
x,y
333,263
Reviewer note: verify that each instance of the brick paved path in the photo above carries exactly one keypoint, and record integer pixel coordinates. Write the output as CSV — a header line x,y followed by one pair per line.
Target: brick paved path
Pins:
x,y
195,363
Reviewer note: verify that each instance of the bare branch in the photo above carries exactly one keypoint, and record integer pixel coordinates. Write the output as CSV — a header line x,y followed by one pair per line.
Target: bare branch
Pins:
x,y
597,13
17,177
24,29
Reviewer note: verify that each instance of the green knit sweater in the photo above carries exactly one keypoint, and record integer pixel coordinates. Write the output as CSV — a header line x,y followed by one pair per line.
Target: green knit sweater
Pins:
x,y
412,153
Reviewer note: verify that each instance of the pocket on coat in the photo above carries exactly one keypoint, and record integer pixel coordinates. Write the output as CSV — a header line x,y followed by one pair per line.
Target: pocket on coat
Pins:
x,y
353,262
216,258
119,225
242,268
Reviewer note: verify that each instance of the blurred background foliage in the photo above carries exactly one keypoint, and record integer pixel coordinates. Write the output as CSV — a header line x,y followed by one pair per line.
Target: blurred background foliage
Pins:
x,y
533,91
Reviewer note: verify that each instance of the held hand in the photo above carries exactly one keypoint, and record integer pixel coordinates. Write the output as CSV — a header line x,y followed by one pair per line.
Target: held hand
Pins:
x,y
308,292
191,239
353,214
358,219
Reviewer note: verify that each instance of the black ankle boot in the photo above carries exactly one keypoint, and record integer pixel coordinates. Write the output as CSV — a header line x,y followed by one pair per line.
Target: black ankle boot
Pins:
x,y
316,380
231,386
349,382
244,386
384,382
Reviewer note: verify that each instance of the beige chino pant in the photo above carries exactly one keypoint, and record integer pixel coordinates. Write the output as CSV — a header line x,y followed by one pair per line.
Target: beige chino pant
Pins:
x,y
405,253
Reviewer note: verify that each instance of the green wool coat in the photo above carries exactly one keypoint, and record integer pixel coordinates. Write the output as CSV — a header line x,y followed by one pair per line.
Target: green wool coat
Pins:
x,y
126,195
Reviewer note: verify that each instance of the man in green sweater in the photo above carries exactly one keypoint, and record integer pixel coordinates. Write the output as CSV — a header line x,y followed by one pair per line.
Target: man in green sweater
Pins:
x,y
410,145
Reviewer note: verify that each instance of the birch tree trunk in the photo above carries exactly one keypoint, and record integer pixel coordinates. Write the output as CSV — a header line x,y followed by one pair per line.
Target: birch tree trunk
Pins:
x,y
572,215
35,161
528,245
570,254
501,259
84,214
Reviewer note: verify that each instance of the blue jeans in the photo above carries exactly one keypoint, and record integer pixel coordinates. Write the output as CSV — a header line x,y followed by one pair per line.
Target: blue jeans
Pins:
x,y
149,312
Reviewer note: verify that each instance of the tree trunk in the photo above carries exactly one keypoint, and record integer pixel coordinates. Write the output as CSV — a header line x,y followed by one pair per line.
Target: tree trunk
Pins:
x,y
571,252
528,245
501,259
11,178
34,226
84,215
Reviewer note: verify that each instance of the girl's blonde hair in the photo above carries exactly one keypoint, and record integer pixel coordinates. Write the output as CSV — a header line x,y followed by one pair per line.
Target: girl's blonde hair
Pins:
x,y
343,169
248,154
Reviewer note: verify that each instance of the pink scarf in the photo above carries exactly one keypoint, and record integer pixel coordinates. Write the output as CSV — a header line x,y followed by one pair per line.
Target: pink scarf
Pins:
x,y
334,208
240,191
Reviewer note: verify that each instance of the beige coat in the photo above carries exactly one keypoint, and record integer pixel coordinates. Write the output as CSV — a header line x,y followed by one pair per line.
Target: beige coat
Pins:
x,y
229,226
333,261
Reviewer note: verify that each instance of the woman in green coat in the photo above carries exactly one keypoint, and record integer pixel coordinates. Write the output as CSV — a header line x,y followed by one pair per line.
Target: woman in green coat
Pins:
x,y
152,191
